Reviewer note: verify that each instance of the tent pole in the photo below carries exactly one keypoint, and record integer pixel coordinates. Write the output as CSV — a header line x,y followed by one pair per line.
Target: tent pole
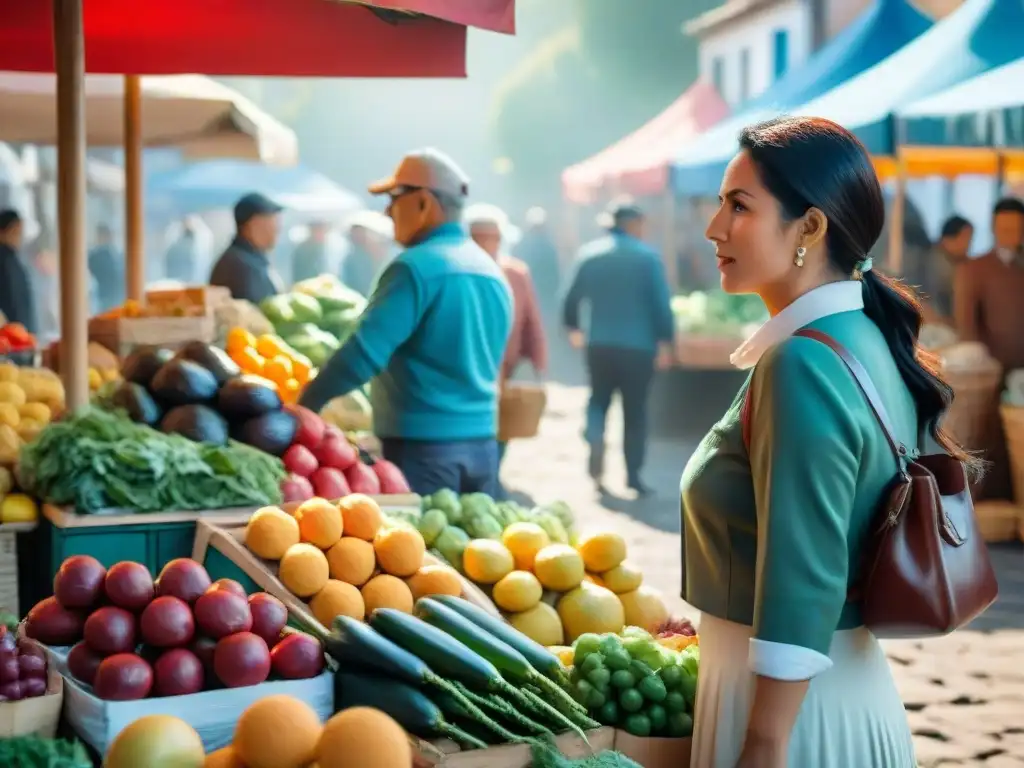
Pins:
x,y
69,64
135,271
894,262
670,255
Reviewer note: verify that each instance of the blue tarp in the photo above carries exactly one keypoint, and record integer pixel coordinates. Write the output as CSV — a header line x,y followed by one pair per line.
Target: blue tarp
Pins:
x,y
219,183
978,36
983,110
880,31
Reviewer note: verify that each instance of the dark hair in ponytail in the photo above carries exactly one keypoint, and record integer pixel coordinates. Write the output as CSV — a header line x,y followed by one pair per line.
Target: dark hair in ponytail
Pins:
x,y
814,163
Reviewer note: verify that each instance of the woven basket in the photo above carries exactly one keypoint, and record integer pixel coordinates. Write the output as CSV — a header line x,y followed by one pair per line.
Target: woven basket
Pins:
x,y
975,402
1013,426
998,521
520,410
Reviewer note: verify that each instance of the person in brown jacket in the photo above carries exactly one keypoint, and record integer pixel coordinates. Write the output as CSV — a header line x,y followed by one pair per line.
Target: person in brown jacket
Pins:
x,y
988,306
490,228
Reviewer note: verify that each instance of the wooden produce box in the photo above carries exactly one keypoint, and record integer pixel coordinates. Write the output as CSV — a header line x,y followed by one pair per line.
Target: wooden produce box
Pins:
x,y
37,716
222,551
195,299
653,752
123,334
514,755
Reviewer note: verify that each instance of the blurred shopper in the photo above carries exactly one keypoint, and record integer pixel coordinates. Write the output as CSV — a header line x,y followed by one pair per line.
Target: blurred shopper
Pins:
x,y
491,230
371,237
932,271
432,337
538,251
620,281
311,257
17,299
182,258
244,268
106,265
988,307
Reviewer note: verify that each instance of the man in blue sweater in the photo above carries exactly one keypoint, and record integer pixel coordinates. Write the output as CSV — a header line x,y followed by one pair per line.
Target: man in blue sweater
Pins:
x,y
431,339
621,282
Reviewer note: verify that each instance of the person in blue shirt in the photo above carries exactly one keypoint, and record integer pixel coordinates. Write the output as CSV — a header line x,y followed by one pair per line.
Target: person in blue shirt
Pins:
x,y
431,339
245,268
620,281
106,265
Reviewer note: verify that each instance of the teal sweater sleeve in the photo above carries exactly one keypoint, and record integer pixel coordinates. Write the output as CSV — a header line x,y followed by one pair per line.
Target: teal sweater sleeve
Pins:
x,y
390,318
805,449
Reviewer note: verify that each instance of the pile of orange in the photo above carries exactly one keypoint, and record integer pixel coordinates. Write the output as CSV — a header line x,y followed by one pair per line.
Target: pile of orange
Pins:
x,y
272,358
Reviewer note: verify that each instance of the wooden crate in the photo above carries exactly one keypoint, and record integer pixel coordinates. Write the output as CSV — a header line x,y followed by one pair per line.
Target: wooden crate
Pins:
x,y
9,564
446,753
123,334
204,298
654,752
217,546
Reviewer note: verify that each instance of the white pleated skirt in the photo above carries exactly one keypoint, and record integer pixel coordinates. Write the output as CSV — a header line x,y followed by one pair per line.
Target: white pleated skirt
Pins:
x,y
853,716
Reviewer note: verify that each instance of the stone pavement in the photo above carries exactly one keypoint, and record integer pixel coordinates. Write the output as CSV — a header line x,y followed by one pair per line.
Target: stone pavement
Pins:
x,y
964,694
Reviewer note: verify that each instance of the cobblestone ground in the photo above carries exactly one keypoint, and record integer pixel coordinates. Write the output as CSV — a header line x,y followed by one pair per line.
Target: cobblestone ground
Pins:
x,y
964,694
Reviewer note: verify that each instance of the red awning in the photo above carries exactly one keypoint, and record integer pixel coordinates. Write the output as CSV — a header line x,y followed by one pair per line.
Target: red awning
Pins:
x,y
293,38
639,163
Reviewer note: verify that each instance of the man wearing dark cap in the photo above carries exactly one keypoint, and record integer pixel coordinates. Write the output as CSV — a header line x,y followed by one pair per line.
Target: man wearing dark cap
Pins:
x,y
244,268
431,339
621,282
17,299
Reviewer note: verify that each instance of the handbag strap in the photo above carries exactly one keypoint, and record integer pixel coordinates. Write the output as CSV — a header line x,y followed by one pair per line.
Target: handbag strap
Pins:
x,y
863,380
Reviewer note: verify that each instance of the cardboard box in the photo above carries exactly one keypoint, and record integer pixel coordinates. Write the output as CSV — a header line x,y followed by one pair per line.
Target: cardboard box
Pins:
x,y
213,714
446,753
654,753
39,715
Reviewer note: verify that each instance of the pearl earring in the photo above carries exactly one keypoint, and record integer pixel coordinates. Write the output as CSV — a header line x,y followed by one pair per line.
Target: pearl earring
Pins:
x,y
800,253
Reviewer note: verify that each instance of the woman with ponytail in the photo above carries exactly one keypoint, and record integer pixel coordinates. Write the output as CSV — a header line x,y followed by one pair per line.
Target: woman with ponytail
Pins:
x,y
781,497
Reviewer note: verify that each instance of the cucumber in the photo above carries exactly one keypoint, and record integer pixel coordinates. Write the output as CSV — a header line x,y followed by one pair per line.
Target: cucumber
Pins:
x,y
539,657
452,659
358,648
506,659
408,706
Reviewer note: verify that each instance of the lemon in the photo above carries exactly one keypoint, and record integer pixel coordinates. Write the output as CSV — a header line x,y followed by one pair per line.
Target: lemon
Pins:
x,y
559,567
603,551
486,561
524,541
18,508
622,578
519,591
541,624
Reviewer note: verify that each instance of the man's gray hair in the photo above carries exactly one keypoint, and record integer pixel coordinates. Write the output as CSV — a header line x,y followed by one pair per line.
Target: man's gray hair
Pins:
x,y
451,206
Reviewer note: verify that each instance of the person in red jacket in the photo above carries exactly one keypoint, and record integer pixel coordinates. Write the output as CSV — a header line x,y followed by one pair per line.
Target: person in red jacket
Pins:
x,y
490,228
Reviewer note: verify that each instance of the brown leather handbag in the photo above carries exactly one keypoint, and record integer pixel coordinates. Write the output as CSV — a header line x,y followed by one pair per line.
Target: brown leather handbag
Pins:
x,y
926,569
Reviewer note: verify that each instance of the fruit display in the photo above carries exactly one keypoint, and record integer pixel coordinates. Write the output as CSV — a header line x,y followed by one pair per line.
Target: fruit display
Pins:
x,y
632,681
345,560
453,670
271,358
449,521
22,667
37,751
316,316
96,460
549,590
29,400
322,462
15,337
15,507
276,731
134,636
201,393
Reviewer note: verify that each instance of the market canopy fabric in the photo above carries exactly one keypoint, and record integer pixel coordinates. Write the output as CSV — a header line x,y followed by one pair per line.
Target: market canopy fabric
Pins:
x,y
639,163
881,30
194,113
296,38
1000,88
219,183
980,35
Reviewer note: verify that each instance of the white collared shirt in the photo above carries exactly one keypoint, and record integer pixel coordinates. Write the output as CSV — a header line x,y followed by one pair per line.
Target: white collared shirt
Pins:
x,y
781,661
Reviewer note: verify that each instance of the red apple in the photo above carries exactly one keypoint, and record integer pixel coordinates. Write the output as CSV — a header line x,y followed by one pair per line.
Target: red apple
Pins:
x,y
299,460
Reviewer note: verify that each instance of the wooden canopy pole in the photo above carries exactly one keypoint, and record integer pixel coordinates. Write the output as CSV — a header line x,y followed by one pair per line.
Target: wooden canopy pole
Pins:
x,y
135,269
69,64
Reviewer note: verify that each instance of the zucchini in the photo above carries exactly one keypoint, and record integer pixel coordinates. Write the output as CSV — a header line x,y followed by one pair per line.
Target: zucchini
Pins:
x,y
539,657
358,648
506,659
408,706
452,659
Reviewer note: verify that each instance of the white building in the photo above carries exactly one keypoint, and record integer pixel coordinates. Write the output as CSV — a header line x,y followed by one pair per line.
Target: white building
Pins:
x,y
746,45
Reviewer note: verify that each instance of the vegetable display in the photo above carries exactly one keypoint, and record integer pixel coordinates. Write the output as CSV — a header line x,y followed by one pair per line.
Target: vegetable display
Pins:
x,y
134,636
33,751
97,460
718,313
634,682
270,357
